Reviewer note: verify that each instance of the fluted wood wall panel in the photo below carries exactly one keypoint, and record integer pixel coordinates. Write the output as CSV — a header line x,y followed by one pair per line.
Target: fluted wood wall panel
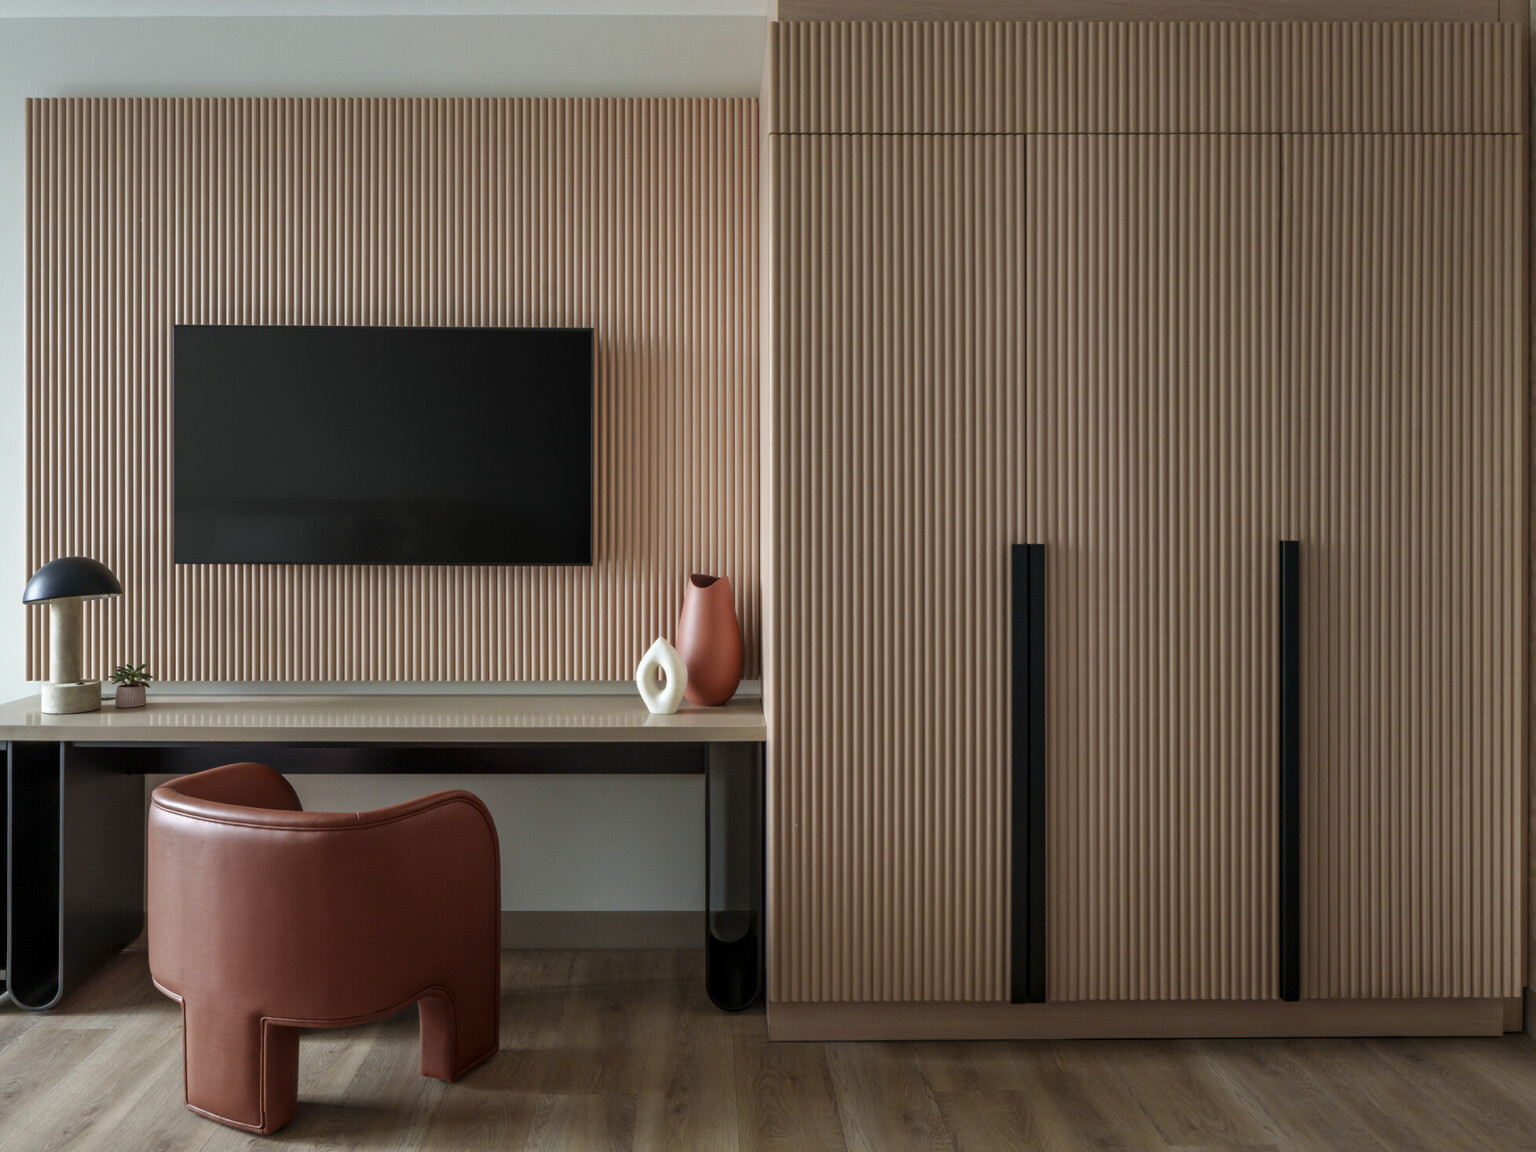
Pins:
x,y
635,217
1066,341
1123,76
1404,354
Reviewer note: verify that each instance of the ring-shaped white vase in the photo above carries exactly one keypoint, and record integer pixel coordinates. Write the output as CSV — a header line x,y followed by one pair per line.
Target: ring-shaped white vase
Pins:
x,y
661,697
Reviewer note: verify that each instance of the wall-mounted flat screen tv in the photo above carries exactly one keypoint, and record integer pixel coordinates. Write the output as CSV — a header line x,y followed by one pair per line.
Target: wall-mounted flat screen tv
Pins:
x,y
348,445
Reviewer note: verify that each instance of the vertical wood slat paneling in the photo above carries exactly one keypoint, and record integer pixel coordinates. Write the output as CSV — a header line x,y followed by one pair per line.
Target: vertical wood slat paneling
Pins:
x,y
1267,11
985,340
1528,917
1404,314
1152,344
895,269
635,217
1146,311
1125,76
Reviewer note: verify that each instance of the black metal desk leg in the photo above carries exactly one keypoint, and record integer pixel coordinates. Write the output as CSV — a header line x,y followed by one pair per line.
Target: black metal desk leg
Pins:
x,y
5,868
733,943
76,866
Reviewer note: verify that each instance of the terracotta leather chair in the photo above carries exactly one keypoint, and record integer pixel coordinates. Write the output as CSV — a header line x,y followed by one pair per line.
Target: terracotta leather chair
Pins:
x,y
264,919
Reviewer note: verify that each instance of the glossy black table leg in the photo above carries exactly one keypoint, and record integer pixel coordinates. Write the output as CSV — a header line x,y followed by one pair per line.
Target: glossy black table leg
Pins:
x,y
75,873
733,944
5,855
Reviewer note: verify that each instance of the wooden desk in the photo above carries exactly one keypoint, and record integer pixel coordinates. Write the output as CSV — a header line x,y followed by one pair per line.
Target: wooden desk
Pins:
x,y
75,798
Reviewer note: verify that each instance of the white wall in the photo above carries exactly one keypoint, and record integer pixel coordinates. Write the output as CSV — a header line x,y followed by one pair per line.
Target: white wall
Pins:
x,y
593,843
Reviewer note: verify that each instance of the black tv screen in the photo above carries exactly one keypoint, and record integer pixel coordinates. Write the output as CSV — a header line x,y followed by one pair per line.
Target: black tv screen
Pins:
x,y
343,445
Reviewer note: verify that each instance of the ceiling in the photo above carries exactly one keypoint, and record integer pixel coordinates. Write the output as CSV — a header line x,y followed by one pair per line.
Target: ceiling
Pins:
x,y
75,8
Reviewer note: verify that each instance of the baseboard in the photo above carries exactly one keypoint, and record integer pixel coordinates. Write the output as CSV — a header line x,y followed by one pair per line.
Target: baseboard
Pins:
x,y
1135,1019
602,929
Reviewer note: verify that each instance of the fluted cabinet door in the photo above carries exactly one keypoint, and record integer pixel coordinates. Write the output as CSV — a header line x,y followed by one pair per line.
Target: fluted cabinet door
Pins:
x,y
1150,335
1403,320
985,340
896,378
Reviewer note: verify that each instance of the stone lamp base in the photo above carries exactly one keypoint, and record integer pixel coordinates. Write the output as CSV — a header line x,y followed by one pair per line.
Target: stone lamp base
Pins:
x,y
80,696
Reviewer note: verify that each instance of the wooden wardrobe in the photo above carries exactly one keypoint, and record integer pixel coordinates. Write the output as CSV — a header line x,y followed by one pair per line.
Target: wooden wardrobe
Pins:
x,y
1155,297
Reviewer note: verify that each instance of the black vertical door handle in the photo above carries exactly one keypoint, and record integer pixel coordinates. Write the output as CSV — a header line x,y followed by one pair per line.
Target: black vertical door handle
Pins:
x,y
1027,963
1290,770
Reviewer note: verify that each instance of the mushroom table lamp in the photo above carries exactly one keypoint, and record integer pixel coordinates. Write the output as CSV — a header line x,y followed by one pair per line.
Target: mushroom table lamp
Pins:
x,y
64,585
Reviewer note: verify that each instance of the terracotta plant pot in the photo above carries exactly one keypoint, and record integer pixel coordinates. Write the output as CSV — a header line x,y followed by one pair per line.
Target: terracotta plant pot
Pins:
x,y
709,640
130,697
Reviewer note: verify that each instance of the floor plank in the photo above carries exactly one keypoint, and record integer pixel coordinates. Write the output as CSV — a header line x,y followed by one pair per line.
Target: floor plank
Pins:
x,y
40,1059
1504,1068
1079,1106
688,1099
110,1097
607,1032
1175,1088
883,1100
1275,1090
148,1115
967,1067
621,1051
584,1123
785,1098
1439,1070
14,1024
1386,1103
985,1121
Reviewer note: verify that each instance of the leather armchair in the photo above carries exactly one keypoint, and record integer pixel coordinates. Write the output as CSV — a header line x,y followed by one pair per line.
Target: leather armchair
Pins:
x,y
264,919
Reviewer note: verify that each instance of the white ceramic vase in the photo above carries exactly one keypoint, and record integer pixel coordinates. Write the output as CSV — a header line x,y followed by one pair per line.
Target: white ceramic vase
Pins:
x,y
661,697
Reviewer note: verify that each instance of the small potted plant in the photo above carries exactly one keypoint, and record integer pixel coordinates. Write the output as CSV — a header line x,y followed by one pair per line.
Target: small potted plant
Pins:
x,y
130,680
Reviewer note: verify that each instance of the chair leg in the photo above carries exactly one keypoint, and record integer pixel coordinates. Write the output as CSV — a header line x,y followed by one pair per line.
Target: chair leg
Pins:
x,y
460,1028
240,1070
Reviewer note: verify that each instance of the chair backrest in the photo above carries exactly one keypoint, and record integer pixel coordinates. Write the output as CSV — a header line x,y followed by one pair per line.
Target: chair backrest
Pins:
x,y
315,916
245,785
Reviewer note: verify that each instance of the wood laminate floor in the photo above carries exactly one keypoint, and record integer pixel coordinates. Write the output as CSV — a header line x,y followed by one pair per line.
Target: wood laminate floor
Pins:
x,y
620,1050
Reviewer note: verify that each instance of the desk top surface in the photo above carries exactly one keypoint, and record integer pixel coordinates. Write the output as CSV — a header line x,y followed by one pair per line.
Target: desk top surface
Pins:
x,y
520,719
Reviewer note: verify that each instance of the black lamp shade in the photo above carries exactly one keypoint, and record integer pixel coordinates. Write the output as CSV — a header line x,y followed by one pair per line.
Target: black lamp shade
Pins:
x,y
71,576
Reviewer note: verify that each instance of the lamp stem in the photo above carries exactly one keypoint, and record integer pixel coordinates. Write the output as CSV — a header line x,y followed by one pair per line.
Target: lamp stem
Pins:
x,y
65,639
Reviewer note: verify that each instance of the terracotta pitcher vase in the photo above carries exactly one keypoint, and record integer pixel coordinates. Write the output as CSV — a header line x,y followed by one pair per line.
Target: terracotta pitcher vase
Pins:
x,y
709,640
